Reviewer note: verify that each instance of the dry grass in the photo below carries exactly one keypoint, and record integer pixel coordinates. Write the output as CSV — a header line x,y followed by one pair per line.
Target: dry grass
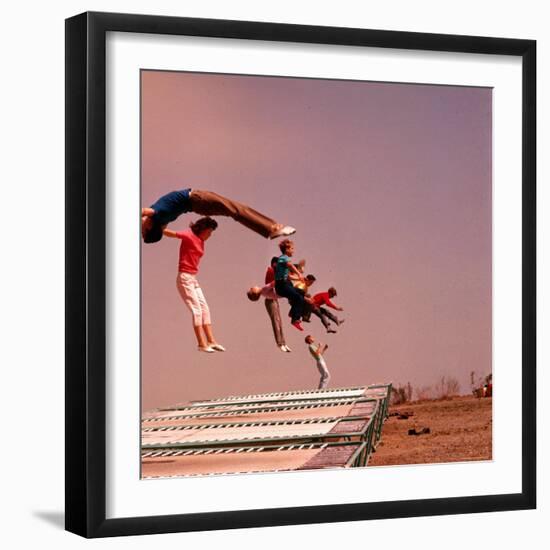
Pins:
x,y
460,430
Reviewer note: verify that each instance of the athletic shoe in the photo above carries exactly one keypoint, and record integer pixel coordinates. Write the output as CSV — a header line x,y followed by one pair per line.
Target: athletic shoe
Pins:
x,y
282,348
217,347
287,348
207,349
331,331
282,231
297,325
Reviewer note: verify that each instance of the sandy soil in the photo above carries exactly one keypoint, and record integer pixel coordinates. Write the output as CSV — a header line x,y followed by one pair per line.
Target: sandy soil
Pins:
x,y
460,430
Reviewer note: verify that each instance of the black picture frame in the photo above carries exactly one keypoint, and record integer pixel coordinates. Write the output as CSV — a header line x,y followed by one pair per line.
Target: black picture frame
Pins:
x,y
86,274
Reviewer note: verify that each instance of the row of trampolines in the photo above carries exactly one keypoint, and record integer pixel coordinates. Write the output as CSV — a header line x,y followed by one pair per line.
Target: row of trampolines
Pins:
x,y
271,432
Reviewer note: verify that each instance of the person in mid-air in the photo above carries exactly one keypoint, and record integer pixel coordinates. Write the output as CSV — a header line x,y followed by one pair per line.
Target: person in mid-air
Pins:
x,y
298,282
308,300
317,303
317,351
272,306
191,252
284,287
167,208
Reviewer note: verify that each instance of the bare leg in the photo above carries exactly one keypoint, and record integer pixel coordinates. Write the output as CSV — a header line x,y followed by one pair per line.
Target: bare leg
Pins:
x,y
192,295
209,336
200,337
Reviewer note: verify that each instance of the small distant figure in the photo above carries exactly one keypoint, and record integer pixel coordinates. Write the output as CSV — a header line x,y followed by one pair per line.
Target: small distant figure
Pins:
x,y
169,207
317,351
283,285
317,303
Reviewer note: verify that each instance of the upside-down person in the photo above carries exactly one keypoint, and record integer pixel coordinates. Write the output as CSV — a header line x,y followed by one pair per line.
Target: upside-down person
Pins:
x,y
272,306
155,218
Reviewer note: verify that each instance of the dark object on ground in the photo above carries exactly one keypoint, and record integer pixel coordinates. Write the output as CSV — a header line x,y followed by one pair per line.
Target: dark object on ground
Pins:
x,y
401,415
414,431
449,441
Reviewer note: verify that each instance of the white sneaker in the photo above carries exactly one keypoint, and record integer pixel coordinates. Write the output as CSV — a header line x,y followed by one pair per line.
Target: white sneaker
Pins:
x,y
283,231
207,349
287,348
217,347
282,348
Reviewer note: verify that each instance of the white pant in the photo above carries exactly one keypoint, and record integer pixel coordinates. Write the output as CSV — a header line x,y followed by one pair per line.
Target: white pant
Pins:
x,y
325,374
191,293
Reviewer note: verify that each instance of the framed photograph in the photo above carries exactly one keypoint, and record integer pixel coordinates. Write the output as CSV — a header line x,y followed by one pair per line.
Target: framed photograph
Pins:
x,y
300,278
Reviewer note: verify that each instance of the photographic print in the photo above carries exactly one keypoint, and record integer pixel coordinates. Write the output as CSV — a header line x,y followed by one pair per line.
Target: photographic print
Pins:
x,y
316,274
335,259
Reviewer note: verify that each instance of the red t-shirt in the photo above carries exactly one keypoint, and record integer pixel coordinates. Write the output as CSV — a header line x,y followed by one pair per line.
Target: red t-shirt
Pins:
x,y
191,251
269,275
321,299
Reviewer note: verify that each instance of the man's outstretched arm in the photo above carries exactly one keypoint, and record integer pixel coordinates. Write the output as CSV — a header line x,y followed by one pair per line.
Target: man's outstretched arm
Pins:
x,y
333,306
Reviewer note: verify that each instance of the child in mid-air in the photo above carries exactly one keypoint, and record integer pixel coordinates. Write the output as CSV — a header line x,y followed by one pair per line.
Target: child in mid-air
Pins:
x,y
324,298
283,285
272,306
191,252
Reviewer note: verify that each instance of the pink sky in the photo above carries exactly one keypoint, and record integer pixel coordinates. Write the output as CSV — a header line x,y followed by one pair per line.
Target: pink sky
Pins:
x,y
389,187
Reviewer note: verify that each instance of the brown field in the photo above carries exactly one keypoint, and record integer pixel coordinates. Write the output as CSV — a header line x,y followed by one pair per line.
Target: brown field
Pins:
x,y
460,430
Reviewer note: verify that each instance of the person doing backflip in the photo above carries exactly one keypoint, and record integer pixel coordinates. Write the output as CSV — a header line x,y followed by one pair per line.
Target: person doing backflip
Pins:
x,y
317,351
169,207
272,306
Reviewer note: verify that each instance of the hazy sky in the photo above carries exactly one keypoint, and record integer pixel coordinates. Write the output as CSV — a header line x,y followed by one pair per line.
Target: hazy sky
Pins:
x,y
389,187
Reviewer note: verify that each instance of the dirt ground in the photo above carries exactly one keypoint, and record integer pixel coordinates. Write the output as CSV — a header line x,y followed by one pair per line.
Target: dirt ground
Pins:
x,y
460,430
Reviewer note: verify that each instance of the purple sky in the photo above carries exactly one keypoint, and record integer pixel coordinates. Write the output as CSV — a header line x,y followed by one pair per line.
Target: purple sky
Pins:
x,y
389,186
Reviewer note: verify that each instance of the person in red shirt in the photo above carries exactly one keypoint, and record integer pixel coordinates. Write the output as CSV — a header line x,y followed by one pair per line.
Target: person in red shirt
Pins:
x,y
324,298
191,252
